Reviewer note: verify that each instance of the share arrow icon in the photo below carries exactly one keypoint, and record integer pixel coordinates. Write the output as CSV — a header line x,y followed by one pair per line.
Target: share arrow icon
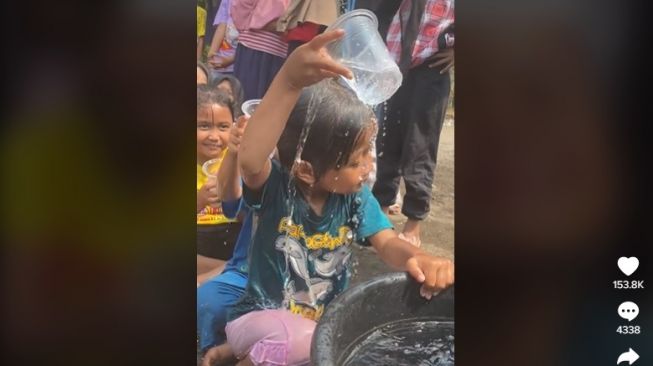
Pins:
x,y
630,356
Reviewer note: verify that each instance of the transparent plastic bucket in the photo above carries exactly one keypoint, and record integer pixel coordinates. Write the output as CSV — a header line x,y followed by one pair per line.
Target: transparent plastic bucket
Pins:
x,y
362,50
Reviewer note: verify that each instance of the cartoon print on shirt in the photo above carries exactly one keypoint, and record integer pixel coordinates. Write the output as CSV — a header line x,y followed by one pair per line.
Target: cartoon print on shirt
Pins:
x,y
332,263
296,255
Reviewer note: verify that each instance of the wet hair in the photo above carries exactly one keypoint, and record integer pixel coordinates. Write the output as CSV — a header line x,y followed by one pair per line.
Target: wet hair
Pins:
x,y
204,69
236,88
339,125
208,95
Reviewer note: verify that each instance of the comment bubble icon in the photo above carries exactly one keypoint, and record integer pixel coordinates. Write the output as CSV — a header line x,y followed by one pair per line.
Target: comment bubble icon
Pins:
x,y
628,310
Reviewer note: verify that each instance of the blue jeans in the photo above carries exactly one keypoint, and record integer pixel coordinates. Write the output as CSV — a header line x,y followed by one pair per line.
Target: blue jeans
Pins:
x,y
214,299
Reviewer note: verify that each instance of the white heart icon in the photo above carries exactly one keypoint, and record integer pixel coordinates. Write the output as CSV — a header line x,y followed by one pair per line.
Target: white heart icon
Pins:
x,y
628,265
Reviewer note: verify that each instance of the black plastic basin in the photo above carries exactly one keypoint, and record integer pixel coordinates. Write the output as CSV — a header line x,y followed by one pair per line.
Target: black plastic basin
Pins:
x,y
358,311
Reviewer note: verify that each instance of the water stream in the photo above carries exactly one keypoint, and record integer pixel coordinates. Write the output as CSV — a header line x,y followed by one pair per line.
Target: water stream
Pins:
x,y
292,187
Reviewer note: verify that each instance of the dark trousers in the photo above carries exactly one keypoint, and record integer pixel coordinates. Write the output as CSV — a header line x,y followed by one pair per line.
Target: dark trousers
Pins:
x,y
407,143
255,70
217,241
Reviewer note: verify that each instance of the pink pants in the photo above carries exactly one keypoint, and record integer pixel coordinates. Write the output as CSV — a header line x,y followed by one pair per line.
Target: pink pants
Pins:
x,y
272,337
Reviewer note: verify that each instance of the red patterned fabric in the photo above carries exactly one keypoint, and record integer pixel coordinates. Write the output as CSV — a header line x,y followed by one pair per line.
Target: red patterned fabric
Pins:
x,y
438,16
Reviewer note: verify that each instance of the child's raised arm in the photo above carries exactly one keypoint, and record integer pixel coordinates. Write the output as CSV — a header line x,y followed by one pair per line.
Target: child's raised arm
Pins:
x,y
307,65
229,174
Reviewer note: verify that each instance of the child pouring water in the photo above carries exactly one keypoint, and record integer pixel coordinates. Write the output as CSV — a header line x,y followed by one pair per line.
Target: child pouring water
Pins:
x,y
300,252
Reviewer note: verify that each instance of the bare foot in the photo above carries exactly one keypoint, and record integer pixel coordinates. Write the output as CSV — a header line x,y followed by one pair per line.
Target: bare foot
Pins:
x,y
411,233
218,355
395,209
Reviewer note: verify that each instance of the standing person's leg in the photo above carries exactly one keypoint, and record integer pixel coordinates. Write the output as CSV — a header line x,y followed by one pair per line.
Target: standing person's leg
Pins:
x,y
381,111
268,67
395,209
389,144
424,114
244,65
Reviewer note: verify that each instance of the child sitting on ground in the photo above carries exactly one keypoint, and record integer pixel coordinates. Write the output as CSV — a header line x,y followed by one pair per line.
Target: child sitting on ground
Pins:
x,y
220,292
312,209
216,234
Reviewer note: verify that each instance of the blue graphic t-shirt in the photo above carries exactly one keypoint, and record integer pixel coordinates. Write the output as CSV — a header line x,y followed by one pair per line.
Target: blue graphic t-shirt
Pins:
x,y
301,262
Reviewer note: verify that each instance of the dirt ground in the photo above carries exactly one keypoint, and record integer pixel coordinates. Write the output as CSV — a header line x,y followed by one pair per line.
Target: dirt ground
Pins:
x,y
437,230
